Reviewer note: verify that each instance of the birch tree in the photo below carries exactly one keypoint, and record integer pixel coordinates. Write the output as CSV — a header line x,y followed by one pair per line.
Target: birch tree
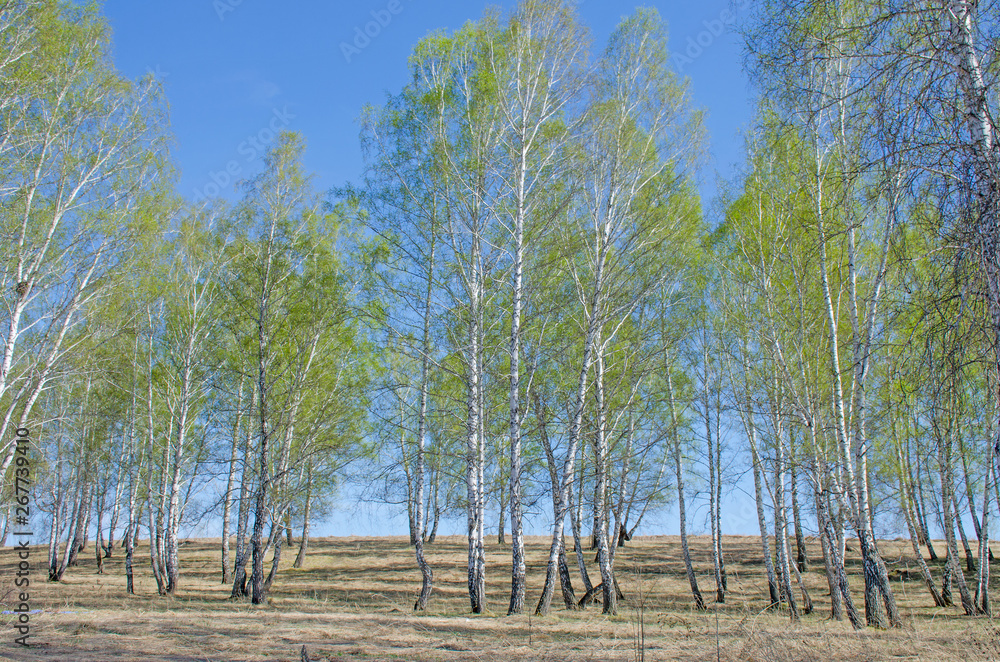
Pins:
x,y
537,61
637,141
277,214
81,155
191,295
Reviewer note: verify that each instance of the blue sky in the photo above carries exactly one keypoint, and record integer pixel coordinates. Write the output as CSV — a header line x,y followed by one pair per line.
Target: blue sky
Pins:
x,y
235,71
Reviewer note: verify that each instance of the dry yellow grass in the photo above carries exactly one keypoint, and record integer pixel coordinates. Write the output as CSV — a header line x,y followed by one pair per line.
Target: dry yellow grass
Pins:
x,y
353,600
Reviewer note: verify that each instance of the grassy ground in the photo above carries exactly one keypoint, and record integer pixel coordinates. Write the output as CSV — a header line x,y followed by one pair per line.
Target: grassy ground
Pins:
x,y
353,600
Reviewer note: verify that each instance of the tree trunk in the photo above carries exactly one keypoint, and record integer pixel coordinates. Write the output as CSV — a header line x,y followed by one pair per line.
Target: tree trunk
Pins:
x,y
541,415
829,565
58,508
807,603
131,534
70,534
921,511
129,556
411,511
53,565
610,598
504,503
575,429
473,474
772,582
300,557
99,546
116,503
781,526
982,598
426,573
436,496
682,516
948,518
925,571
59,505
969,492
475,425
718,490
257,592
801,558
622,513
243,513
279,538
227,502
576,523
82,522
946,583
173,509
970,561
837,562
565,582
154,530
517,577
713,504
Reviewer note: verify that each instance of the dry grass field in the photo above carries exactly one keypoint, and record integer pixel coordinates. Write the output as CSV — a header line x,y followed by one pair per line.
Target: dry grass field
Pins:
x,y
353,600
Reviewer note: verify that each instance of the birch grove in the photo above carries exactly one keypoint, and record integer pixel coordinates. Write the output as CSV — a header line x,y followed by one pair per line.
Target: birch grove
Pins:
x,y
522,312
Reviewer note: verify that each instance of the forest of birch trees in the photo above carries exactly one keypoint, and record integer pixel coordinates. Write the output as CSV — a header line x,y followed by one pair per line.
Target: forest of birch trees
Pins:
x,y
521,314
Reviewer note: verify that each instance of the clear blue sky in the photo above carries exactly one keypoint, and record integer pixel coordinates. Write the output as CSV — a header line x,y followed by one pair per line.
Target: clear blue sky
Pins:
x,y
236,69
